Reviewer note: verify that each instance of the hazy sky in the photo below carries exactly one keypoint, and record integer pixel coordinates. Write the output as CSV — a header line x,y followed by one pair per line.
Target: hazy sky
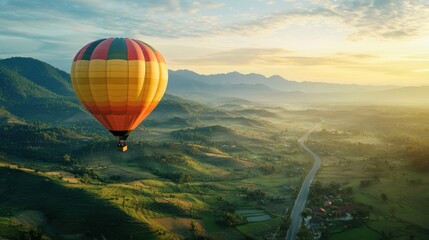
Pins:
x,y
349,41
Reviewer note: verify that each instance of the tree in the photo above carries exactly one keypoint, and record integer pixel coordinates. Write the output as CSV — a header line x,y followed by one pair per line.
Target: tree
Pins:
x,y
304,234
361,214
267,169
284,225
230,219
256,195
386,235
193,229
305,214
67,158
33,234
383,197
325,234
365,183
193,226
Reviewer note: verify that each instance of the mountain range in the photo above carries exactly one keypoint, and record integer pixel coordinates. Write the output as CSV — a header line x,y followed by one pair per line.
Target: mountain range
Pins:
x,y
34,91
275,89
274,82
31,89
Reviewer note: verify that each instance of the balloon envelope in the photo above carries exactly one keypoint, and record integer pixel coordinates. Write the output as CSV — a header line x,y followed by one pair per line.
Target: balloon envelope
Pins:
x,y
120,81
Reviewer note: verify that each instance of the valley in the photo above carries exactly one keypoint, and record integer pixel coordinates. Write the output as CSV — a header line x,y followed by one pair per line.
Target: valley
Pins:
x,y
224,168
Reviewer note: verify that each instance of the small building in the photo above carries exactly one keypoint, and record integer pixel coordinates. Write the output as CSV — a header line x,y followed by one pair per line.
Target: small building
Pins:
x,y
344,213
318,211
327,203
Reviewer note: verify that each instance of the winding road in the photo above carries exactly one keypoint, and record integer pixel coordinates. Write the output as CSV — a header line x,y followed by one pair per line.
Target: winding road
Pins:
x,y
301,199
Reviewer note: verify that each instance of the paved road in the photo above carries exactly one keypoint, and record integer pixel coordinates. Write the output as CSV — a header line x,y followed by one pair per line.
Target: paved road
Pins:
x,y
303,192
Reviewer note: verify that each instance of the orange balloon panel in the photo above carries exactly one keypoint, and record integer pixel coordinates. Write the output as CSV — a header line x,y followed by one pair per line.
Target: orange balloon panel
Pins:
x,y
120,81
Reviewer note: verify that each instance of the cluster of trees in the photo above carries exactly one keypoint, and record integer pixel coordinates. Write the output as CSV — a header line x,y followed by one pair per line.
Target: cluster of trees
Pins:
x,y
190,135
267,169
32,234
38,141
284,226
200,134
349,148
75,167
415,182
418,156
176,177
255,195
304,234
326,132
226,216
366,183
361,213
47,142
279,136
229,219
317,190
80,170
170,158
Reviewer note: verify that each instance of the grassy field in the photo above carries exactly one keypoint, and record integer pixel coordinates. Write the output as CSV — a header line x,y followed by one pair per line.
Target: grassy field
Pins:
x,y
356,234
165,183
30,201
259,229
352,153
162,184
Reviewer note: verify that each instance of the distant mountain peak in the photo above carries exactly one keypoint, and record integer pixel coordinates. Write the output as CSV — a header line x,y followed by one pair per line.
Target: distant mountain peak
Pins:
x,y
277,77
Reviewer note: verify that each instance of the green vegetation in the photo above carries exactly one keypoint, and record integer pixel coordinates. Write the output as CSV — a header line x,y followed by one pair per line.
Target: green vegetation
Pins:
x,y
205,134
61,210
200,171
383,162
34,90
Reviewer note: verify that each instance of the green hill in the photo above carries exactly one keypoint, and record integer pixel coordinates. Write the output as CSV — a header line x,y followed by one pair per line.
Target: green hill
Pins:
x,y
16,88
206,134
63,213
36,91
171,106
171,122
42,74
8,118
258,113
173,110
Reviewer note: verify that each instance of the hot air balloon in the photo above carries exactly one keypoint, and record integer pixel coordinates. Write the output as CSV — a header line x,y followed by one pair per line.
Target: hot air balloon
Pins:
x,y
120,81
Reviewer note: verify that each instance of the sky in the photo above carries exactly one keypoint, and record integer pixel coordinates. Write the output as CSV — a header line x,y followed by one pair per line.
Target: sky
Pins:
x,y
376,42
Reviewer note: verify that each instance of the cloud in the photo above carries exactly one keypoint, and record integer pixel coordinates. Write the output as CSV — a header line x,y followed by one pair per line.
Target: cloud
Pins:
x,y
160,18
393,19
421,70
386,19
240,56
67,25
275,57
338,59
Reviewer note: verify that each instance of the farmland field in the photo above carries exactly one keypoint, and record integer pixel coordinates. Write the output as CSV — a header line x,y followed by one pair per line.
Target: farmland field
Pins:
x,y
218,181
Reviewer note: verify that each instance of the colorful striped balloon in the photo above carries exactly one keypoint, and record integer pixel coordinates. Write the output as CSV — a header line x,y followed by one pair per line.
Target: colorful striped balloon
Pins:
x,y
120,81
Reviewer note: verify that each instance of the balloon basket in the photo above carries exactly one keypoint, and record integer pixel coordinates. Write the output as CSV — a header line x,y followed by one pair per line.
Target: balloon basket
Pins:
x,y
122,149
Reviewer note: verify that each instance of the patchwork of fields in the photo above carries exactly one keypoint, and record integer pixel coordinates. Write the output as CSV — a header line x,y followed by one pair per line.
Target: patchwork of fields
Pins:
x,y
218,175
